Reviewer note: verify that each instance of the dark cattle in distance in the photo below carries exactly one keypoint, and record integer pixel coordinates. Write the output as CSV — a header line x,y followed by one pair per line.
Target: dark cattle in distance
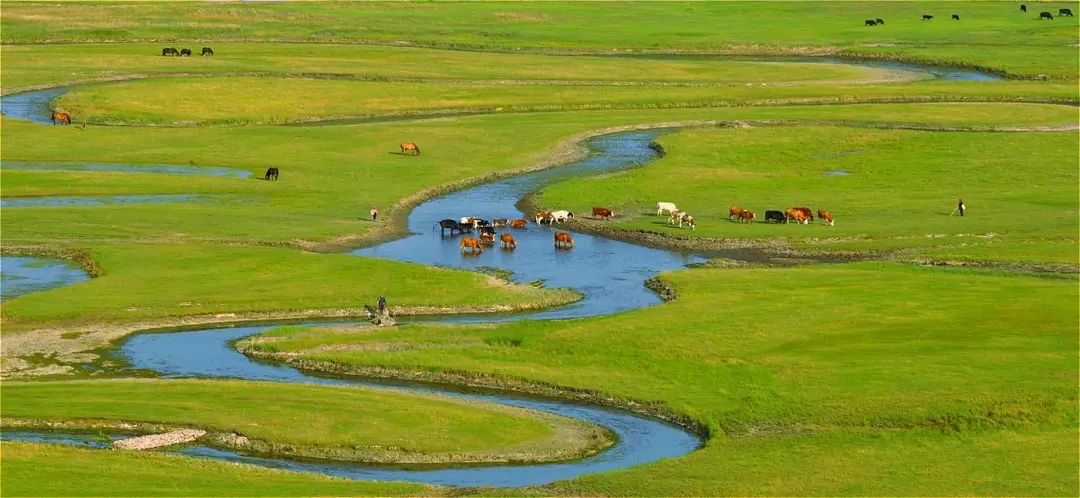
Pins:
x,y
956,17
1045,15
659,149
1065,12
448,224
207,51
170,51
871,22
1023,8
777,216
879,20
184,52
927,17
271,174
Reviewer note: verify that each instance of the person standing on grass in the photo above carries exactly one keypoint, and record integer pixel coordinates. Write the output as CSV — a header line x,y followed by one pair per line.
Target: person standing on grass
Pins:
x,y
961,207
382,305
374,213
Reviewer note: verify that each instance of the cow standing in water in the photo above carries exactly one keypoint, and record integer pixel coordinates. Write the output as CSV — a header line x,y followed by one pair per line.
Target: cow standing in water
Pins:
x,y
563,241
409,146
472,245
508,241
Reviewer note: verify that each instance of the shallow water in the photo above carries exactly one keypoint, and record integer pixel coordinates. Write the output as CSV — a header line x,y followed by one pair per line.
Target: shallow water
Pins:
x,y
22,275
127,168
95,200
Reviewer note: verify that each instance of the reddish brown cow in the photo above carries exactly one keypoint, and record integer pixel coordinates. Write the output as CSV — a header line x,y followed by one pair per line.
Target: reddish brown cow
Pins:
x,y
602,212
563,240
733,213
796,216
508,241
825,216
409,146
746,216
542,216
487,239
806,211
473,245
518,223
63,117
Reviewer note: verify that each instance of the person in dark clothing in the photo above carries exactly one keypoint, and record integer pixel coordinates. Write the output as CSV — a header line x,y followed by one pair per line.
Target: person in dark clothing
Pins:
x,y
961,207
382,304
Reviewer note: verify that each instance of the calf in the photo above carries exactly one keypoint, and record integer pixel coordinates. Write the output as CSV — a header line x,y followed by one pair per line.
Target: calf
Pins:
x,y
777,216
665,206
602,213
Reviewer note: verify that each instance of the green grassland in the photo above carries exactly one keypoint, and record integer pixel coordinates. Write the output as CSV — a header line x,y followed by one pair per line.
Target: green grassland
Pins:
x,y
991,34
331,422
901,186
863,378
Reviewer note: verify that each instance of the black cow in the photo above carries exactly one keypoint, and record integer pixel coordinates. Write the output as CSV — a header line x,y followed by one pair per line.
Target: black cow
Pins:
x,y
1065,12
777,216
487,230
185,52
448,223
170,51
207,51
870,22
880,20
1045,15
956,17
659,149
927,17
1023,8
271,174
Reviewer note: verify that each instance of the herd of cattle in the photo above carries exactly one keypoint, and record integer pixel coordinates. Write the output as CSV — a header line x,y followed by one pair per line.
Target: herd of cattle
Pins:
x,y
801,215
485,230
956,17
185,52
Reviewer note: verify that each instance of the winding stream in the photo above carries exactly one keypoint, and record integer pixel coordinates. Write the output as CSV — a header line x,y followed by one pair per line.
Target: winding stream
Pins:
x,y
609,275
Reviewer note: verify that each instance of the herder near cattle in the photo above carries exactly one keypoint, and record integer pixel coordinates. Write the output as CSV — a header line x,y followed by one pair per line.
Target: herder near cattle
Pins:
x,y
374,213
961,207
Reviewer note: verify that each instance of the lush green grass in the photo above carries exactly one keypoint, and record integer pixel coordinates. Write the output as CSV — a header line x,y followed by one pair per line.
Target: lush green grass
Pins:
x,y
853,379
1019,188
52,470
291,414
992,34
229,101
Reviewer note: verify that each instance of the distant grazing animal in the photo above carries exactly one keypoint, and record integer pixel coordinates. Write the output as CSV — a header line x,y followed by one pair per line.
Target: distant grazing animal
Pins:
x,y
271,174
659,149
448,224
563,240
184,52
733,212
1023,8
927,17
681,217
561,216
880,20
508,241
806,211
487,239
825,217
499,222
1045,15
542,216
956,17
1065,12
62,117
665,206
602,213
207,51
518,223
871,22
777,216
409,146
747,216
169,51
796,216
472,245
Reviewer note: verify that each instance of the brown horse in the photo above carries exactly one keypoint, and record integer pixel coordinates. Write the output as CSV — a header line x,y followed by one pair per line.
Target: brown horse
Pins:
x,y
508,241
63,117
407,146
472,245
563,240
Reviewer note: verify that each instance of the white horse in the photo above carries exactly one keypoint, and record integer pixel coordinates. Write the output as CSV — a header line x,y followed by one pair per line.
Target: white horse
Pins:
x,y
665,206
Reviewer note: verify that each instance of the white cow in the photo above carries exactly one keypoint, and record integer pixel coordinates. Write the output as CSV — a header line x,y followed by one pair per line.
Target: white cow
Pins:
x,y
665,206
561,216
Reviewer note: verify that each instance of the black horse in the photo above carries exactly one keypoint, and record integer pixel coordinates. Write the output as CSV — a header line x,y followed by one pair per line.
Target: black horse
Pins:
x,y
1045,15
185,52
448,223
170,51
207,51
271,174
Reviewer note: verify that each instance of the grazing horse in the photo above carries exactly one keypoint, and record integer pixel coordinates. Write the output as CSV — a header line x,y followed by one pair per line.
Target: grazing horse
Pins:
x,y
472,245
733,212
207,51
271,174
604,213
62,117
956,17
508,241
665,206
1045,15
561,216
542,216
409,146
448,224
870,22
1023,8
927,17
169,51
747,216
1065,12
563,240
825,217
184,52
518,223
777,216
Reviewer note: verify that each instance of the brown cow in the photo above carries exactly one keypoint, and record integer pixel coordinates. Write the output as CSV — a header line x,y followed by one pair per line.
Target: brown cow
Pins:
x,y
733,213
63,117
499,222
508,241
806,211
825,216
746,216
602,213
542,216
407,146
563,240
518,223
796,216
472,245
487,239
